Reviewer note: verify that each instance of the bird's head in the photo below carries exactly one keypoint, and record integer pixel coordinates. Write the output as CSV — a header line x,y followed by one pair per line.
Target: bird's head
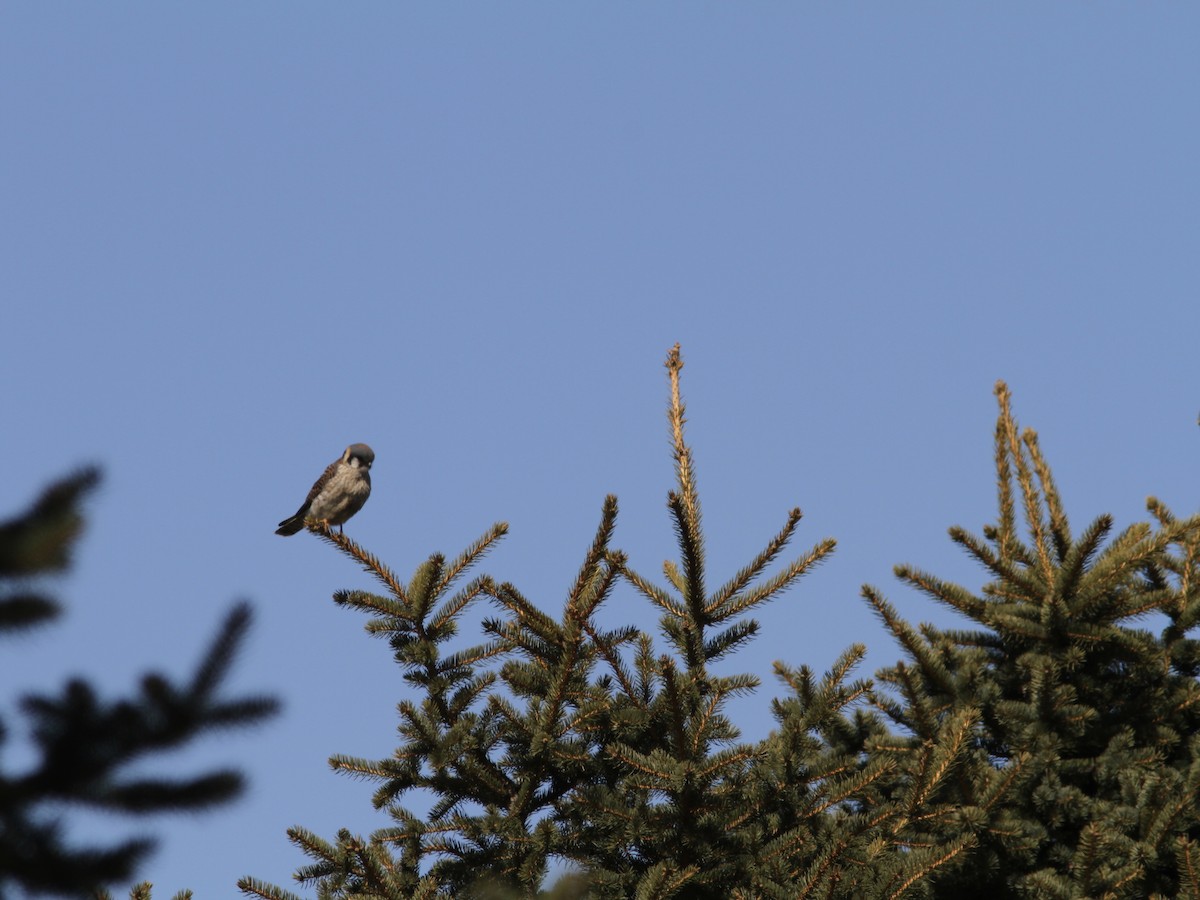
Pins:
x,y
359,455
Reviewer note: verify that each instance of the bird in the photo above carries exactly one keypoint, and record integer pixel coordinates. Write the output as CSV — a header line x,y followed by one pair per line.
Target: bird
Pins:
x,y
338,494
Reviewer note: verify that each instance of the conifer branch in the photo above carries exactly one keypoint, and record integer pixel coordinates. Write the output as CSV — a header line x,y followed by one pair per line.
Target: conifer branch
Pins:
x,y
1172,808
596,553
423,590
1002,781
358,767
785,844
760,562
607,646
692,550
922,866
42,539
648,674
674,577
1006,531
26,610
700,724
917,648
653,593
685,511
663,881
940,756
820,869
676,711
842,667
474,689
312,845
1013,623
683,455
451,608
730,639
835,792
1060,528
1030,494
779,582
252,887
1160,511
471,555
1119,567
1026,581
1079,557
658,767
368,561
528,617
398,612
1188,862
467,658
950,594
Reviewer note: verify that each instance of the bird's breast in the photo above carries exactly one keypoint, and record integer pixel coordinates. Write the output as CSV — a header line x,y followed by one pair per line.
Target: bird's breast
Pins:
x,y
342,496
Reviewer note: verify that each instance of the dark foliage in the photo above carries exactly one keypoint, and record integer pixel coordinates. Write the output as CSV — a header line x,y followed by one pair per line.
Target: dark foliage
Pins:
x,y
84,743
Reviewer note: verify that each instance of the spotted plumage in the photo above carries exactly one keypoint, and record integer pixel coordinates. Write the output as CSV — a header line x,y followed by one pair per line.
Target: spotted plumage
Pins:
x,y
338,494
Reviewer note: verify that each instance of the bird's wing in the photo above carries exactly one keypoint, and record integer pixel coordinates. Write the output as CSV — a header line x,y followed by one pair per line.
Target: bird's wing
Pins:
x,y
320,483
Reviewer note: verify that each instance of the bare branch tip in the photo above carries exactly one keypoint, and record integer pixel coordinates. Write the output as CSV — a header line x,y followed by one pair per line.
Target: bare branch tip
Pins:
x,y
674,359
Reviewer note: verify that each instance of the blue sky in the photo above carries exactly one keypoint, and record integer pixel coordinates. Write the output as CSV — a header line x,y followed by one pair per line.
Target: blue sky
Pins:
x,y
237,237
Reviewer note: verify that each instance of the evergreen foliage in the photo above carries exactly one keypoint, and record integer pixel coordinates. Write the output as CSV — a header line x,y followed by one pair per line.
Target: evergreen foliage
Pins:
x,y
1082,777
84,743
1050,750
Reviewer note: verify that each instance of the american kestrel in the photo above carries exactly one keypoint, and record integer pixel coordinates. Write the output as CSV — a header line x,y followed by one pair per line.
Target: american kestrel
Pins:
x,y
339,493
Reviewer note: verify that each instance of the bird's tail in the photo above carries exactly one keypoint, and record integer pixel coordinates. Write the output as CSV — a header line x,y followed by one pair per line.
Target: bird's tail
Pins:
x,y
290,525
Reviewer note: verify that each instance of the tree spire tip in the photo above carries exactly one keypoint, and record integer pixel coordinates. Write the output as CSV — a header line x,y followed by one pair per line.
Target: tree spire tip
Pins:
x,y
674,358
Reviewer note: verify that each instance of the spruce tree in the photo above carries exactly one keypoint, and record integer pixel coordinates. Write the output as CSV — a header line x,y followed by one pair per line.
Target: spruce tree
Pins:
x,y
1083,772
557,739
84,743
1049,748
